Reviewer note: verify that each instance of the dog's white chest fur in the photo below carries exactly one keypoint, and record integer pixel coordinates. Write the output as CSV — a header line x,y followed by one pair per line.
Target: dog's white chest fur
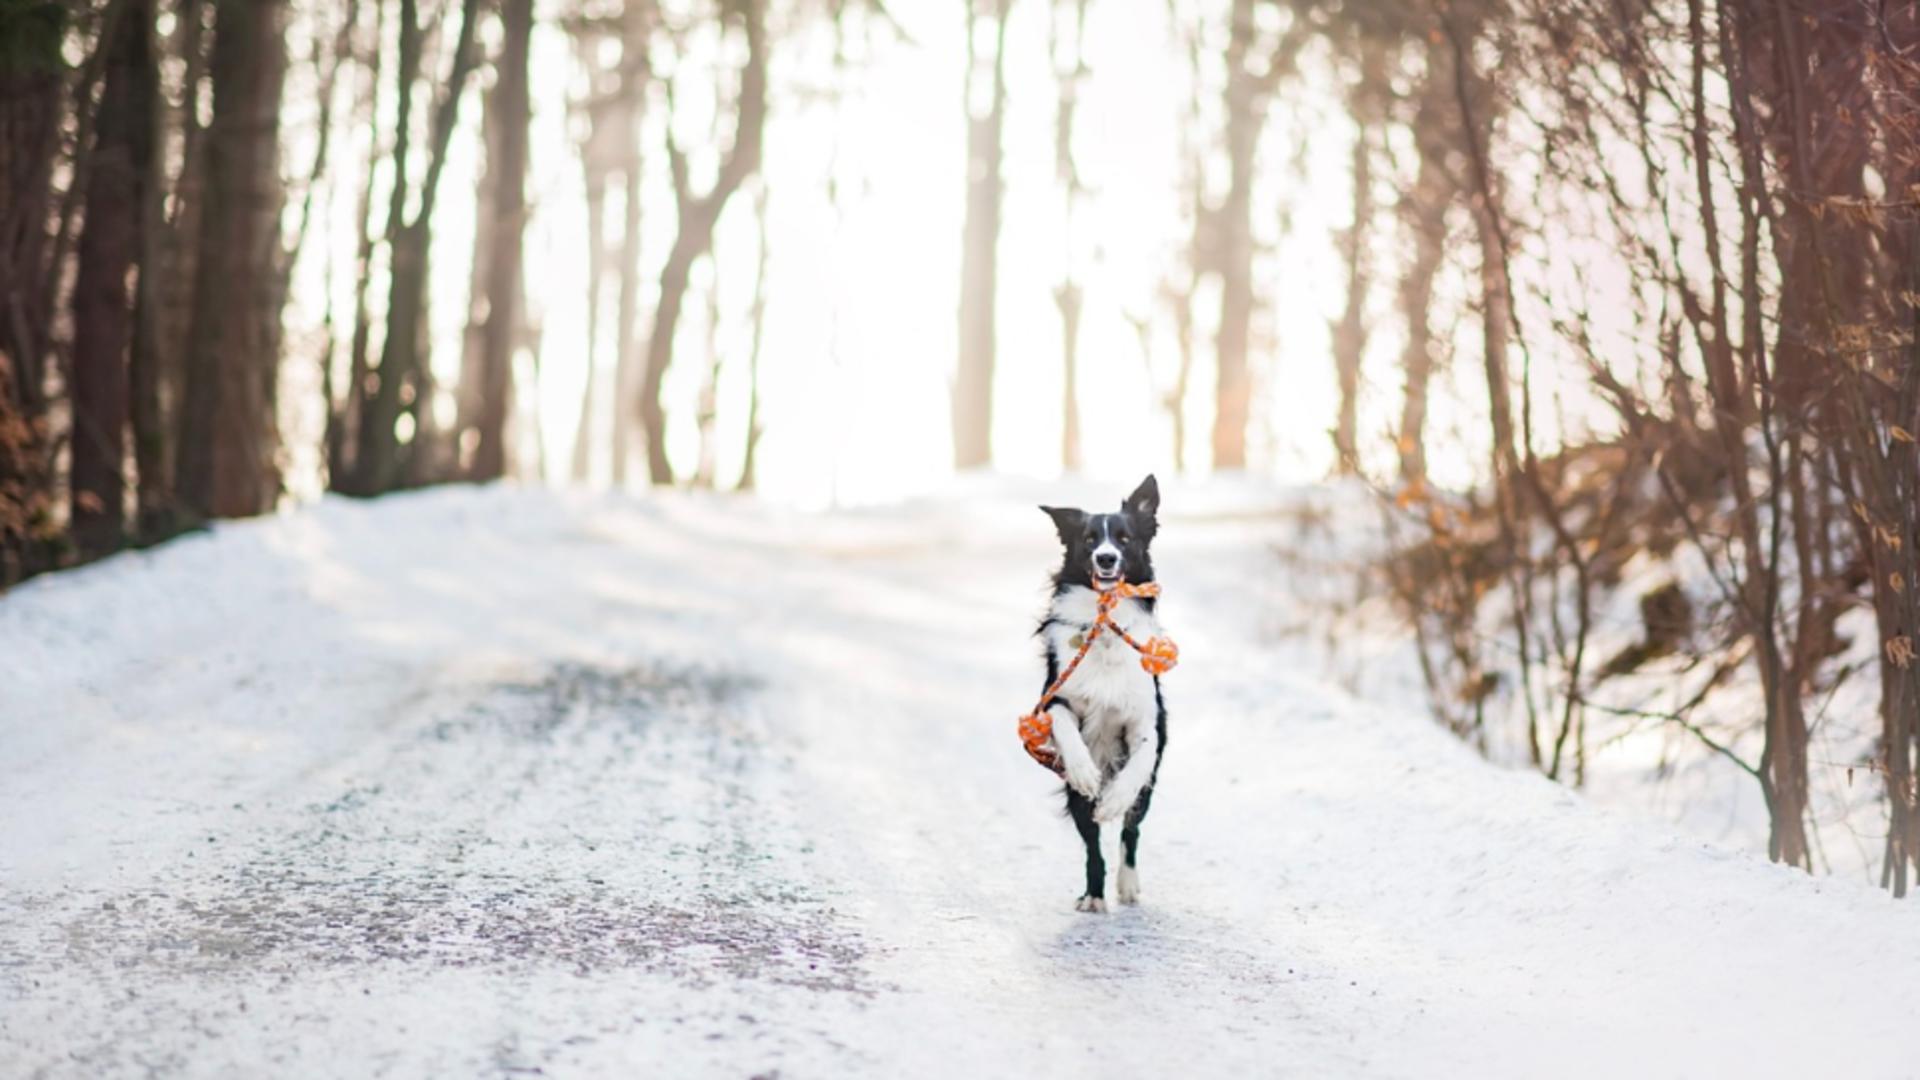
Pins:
x,y
1111,695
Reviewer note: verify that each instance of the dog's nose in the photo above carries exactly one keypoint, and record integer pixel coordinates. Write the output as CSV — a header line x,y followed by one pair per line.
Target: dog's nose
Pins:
x,y
1106,560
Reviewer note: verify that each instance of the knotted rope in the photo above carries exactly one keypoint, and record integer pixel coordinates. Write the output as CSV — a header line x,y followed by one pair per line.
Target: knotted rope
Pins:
x,y
1157,656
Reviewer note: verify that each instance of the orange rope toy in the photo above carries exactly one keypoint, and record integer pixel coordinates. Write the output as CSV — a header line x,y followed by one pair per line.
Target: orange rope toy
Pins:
x,y
1157,656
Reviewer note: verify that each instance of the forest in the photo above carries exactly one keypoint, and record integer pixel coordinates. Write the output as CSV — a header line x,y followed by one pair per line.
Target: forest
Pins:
x,y
1607,305
518,550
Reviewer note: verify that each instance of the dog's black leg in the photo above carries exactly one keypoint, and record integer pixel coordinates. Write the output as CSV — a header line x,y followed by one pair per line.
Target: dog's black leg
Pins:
x,y
1081,808
1126,886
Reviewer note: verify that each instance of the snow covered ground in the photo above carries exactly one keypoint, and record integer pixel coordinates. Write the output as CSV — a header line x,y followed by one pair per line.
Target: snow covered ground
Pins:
x,y
497,782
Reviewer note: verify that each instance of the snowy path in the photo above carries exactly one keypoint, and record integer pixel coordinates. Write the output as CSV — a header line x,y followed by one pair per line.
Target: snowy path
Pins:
x,y
506,783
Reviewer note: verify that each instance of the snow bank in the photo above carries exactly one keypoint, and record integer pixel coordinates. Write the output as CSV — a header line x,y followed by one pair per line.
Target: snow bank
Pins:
x,y
499,780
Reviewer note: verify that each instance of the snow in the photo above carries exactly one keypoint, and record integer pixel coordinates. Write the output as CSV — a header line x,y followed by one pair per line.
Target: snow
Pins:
x,y
498,781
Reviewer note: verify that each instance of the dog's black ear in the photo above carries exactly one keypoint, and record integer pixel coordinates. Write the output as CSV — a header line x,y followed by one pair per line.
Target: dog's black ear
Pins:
x,y
1067,521
1145,500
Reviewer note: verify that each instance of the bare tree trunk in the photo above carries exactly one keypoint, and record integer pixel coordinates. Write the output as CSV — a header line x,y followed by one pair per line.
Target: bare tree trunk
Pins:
x,y
1178,288
1070,66
986,105
699,214
160,363
150,381
344,434
1233,222
30,87
468,392
103,307
634,75
580,467
748,463
1424,212
383,461
229,438
510,209
594,167
707,416
1350,333
1475,114
627,318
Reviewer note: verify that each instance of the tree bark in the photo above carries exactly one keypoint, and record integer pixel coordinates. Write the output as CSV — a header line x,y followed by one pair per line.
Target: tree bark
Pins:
x,y
468,392
634,76
699,214
986,103
1350,333
159,373
1070,69
508,173
343,433
1424,212
1233,221
30,86
749,461
1475,114
111,249
229,439
597,161
384,462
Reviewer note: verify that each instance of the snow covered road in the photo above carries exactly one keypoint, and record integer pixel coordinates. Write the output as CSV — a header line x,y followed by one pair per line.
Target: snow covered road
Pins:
x,y
507,783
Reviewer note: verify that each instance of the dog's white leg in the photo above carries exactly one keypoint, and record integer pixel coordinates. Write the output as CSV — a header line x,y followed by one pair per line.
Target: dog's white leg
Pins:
x,y
1083,775
1127,784
1126,884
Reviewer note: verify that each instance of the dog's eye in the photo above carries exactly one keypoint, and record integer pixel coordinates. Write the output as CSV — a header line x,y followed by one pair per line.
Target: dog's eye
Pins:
x,y
1123,538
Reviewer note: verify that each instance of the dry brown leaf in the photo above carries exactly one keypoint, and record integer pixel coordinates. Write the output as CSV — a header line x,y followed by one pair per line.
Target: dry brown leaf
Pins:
x,y
1900,651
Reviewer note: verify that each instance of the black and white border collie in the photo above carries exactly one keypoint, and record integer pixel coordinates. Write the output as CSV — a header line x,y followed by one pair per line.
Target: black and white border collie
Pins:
x,y
1109,722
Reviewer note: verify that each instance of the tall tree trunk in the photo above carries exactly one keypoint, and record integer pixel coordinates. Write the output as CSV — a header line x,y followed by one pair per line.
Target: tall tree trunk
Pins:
x,y
634,76
627,319
160,362
699,214
148,379
1350,333
508,173
343,443
1424,213
229,439
30,86
594,168
750,459
103,308
581,462
1070,69
468,391
1475,112
384,462
986,106
707,417
1233,221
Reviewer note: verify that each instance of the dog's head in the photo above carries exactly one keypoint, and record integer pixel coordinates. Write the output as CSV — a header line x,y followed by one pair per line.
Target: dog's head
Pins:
x,y
1103,548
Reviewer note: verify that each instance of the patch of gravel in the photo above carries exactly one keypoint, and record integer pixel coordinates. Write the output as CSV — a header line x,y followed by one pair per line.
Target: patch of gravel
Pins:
x,y
588,818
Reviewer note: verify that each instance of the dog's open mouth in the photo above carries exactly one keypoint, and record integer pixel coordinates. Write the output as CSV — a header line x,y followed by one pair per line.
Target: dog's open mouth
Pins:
x,y
1106,579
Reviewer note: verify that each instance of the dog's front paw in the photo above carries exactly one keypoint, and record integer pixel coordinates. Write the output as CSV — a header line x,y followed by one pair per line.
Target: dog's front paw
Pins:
x,y
1113,806
1092,904
1083,777
1126,886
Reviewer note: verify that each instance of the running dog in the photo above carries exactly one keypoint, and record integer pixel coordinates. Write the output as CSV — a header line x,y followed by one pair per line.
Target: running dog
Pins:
x,y
1109,721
